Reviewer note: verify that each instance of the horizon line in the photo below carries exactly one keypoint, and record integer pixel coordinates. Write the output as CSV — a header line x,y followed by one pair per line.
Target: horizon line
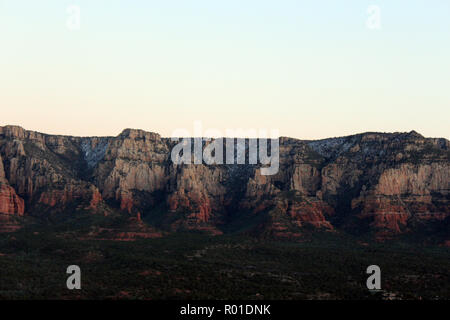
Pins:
x,y
207,137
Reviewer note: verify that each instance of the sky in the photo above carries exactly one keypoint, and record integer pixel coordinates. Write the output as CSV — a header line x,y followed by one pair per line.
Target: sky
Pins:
x,y
309,69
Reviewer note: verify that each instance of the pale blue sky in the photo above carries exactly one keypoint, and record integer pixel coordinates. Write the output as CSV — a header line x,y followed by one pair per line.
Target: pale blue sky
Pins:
x,y
311,69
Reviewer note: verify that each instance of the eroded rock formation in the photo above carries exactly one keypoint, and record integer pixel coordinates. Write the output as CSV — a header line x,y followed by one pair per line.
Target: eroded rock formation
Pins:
x,y
386,184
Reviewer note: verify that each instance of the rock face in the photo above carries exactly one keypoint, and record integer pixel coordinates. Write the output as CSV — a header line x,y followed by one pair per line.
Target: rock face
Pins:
x,y
408,192
383,184
10,202
47,172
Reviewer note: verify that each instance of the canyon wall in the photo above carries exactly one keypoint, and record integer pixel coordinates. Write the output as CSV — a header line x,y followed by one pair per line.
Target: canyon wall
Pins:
x,y
383,184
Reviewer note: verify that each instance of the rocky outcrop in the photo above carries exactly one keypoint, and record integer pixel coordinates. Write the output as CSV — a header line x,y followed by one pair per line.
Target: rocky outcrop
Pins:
x,y
408,192
10,202
46,171
133,164
387,181
387,184
197,195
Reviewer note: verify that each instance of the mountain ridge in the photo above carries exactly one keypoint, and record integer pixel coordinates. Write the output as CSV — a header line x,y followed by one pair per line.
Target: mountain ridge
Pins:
x,y
18,127
382,184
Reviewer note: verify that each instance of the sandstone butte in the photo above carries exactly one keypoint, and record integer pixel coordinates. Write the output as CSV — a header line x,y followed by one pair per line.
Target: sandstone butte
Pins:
x,y
383,184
